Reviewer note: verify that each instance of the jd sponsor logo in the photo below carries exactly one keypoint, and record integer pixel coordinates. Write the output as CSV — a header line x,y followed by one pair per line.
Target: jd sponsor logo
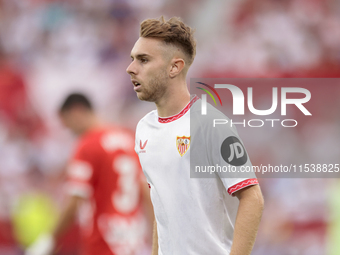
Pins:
x,y
233,151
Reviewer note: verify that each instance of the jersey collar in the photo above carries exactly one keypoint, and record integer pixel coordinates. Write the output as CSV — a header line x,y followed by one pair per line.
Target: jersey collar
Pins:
x,y
180,114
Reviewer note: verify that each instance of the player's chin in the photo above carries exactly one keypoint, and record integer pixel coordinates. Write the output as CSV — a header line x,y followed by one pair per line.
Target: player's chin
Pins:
x,y
144,97
140,95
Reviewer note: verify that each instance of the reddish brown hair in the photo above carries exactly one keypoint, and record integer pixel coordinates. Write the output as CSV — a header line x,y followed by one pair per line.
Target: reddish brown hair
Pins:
x,y
173,31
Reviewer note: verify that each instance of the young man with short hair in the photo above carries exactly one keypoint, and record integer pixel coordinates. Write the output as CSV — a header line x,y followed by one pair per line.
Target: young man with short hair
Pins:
x,y
193,215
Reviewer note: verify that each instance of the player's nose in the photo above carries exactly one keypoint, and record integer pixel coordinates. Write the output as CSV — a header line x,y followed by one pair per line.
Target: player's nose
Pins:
x,y
131,69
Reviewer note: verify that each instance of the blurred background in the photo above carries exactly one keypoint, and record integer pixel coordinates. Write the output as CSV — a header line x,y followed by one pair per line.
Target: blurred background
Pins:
x,y
50,48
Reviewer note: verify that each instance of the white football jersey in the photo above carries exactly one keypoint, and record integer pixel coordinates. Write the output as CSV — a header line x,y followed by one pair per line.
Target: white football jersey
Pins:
x,y
194,215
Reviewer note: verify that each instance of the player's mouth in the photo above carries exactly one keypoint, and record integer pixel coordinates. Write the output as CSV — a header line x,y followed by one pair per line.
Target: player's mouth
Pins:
x,y
136,84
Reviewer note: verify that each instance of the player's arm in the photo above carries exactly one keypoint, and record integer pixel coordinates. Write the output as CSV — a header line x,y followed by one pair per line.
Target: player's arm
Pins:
x,y
67,216
148,209
155,239
146,201
247,220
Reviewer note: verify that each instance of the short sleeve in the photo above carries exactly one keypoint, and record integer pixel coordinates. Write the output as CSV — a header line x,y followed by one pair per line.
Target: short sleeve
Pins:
x,y
80,173
230,154
218,152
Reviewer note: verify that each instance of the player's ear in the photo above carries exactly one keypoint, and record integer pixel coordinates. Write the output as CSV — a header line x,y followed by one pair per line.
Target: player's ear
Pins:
x,y
177,65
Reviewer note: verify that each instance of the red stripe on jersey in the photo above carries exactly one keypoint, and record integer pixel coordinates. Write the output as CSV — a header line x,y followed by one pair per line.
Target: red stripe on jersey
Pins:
x,y
242,185
177,116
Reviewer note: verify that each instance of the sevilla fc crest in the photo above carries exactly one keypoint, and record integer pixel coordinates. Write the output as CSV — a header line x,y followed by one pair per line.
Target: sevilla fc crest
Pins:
x,y
182,144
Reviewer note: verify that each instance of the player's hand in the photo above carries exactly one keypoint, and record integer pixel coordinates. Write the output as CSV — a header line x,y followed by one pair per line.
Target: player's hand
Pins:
x,y
44,245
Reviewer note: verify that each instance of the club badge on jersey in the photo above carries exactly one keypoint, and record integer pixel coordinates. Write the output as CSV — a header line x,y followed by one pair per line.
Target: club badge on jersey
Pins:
x,y
182,144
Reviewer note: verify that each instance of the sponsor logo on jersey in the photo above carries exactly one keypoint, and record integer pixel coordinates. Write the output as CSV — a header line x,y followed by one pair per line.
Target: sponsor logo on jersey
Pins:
x,y
142,146
182,144
233,151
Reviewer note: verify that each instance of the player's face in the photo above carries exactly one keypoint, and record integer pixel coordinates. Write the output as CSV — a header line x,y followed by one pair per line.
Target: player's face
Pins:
x,y
148,69
72,120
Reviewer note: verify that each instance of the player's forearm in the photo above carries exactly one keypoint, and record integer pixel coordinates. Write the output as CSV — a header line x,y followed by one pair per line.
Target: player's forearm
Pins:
x,y
155,240
247,221
67,217
146,200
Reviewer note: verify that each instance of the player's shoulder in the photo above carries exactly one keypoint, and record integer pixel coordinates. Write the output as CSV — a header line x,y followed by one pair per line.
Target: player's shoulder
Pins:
x,y
149,118
212,112
89,139
207,119
107,137
87,145
117,138
212,124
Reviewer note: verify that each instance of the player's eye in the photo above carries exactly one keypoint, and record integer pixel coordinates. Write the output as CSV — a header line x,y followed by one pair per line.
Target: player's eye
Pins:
x,y
143,60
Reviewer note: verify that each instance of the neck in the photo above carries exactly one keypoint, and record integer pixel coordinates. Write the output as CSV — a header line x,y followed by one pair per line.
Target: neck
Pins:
x,y
92,123
176,98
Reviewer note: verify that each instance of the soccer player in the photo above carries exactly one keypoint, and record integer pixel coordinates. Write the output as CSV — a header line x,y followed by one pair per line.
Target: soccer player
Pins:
x,y
104,183
193,215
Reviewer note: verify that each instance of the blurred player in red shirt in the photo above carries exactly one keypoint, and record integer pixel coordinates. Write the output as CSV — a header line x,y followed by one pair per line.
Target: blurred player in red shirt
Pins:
x,y
105,185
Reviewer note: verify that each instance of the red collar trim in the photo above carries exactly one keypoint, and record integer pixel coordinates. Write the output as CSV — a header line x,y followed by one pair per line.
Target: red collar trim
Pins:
x,y
178,115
